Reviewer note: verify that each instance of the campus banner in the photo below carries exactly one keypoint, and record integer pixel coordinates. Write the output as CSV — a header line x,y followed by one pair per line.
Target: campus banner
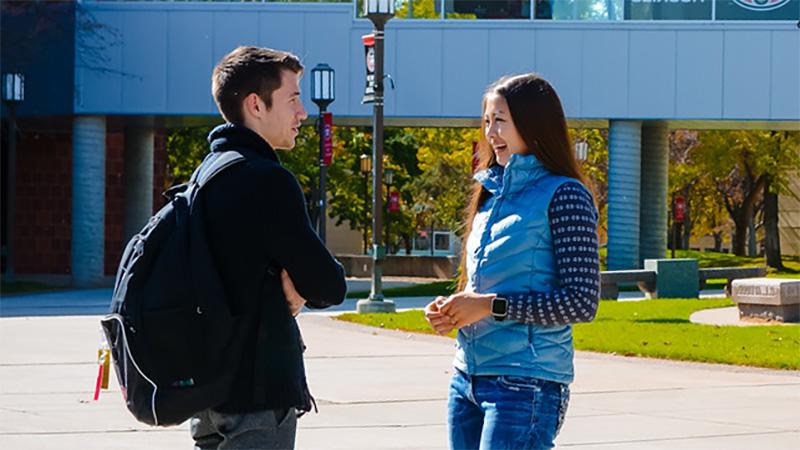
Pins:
x,y
369,64
758,10
668,9
327,138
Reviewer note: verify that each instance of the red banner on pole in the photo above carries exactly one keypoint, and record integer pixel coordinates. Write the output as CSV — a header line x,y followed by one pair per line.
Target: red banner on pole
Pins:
x,y
679,211
327,138
394,201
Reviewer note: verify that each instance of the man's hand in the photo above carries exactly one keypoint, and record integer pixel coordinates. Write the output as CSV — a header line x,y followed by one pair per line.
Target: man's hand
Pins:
x,y
466,308
439,322
295,301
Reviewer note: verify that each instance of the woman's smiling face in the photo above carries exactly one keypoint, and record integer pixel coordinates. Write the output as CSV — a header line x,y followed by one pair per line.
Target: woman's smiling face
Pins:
x,y
499,129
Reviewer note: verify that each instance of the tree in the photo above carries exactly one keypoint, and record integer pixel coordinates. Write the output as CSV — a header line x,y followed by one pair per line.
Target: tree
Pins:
x,y
445,160
186,148
684,176
739,164
595,167
784,145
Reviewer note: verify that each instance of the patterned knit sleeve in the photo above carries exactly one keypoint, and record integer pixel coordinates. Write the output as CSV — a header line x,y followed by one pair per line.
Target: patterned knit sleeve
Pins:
x,y
573,223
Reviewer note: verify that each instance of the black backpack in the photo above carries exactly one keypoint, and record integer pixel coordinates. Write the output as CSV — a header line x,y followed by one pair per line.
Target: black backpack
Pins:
x,y
175,344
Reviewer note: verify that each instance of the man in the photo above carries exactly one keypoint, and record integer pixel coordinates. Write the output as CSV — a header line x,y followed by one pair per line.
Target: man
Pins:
x,y
270,260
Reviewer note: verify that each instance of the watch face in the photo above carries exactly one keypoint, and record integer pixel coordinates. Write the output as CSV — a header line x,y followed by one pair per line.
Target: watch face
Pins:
x,y
499,306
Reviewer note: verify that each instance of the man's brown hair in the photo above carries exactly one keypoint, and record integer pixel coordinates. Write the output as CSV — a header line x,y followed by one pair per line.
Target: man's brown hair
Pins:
x,y
248,70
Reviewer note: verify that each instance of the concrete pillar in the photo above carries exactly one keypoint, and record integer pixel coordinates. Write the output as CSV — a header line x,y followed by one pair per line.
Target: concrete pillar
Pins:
x,y
624,164
137,179
655,171
88,200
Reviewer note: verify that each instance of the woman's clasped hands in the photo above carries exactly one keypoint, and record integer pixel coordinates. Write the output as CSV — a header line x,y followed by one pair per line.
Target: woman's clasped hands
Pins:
x,y
457,311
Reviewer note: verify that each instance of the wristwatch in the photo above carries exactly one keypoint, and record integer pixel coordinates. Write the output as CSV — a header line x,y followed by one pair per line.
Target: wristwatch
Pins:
x,y
499,308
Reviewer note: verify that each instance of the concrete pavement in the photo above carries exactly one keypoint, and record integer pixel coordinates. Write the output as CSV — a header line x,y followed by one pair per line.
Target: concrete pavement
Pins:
x,y
96,301
382,389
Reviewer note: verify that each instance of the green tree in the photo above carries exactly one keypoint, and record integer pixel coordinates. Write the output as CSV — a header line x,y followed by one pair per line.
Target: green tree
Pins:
x,y
445,160
740,164
186,148
350,200
595,167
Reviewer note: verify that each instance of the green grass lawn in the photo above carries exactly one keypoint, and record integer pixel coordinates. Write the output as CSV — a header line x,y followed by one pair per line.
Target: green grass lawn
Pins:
x,y
655,329
714,259
705,259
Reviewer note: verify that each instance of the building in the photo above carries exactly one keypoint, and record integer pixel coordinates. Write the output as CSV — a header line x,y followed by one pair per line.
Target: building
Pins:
x,y
105,79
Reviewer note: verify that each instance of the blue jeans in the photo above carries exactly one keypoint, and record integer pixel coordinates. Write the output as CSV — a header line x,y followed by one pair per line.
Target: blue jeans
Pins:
x,y
504,412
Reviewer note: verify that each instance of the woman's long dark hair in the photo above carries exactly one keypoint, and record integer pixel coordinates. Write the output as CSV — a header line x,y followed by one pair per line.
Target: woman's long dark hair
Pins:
x,y
539,118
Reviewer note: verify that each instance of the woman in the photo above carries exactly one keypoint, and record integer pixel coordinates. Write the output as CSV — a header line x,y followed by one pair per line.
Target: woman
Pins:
x,y
530,269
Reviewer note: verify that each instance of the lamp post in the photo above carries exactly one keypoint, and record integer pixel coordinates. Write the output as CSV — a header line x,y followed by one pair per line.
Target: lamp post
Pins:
x,y
388,175
430,202
366,167
379,12
581,150
323,93
13,93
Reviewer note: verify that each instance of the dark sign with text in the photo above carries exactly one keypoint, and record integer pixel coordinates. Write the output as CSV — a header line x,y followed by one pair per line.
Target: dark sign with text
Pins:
x,y
758,10
703,9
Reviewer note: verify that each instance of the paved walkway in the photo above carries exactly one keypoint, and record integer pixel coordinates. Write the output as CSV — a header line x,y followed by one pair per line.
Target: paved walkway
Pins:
x,y
381,389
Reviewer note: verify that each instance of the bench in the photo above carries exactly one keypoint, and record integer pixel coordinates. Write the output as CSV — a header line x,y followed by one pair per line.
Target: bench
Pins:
x,y
730,274
610,280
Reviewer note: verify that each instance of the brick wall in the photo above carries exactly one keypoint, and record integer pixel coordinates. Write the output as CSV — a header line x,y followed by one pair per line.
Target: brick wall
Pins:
x,y
114,202
43,225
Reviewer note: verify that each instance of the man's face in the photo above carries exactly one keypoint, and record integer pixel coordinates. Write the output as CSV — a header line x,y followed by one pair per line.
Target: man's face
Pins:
x,y
280,124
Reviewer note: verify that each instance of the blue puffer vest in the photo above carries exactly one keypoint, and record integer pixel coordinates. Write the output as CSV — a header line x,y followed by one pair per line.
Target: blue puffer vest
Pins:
x,y
510,250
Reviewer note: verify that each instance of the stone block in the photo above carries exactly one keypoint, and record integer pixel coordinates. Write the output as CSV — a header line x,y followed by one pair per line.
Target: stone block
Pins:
x,y
768,298
675,278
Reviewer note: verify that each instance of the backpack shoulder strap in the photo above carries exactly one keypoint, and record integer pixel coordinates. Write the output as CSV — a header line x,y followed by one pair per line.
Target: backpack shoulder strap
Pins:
x,y
215,163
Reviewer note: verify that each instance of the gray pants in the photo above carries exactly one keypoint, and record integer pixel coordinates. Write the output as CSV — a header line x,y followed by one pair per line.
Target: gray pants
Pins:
x,y
269,429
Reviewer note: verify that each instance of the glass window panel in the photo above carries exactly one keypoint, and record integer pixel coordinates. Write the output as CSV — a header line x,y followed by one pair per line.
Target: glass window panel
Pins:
x,y
668,10
578,9
487,9
418,9
441,241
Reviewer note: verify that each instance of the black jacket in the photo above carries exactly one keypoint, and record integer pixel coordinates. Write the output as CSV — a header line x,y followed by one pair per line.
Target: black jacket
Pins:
x,y
257,224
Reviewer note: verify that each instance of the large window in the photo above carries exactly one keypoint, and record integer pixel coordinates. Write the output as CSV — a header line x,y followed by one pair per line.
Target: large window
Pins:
x,y
578,9
660,10
488,9
416,9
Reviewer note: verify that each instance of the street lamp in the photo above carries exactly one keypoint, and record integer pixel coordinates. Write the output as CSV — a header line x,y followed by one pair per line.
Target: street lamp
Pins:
x,y
323,93
13,93
366,167
581,150
388,181
379,12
